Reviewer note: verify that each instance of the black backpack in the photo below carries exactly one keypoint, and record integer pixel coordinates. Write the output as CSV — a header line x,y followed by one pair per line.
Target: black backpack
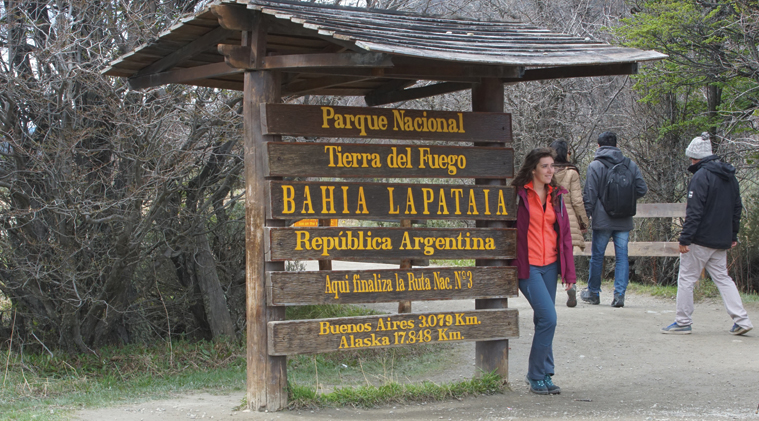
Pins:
x,y
617,193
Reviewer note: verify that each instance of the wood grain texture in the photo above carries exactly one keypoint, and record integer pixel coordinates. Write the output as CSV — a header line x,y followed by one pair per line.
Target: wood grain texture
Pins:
x,y
639,248
352,333
389,285
289,159
391,243
297,199
490,356
385,123
660,210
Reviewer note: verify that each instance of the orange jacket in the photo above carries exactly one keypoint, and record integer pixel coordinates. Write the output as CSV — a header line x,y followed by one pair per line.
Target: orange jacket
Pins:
x,y
541,236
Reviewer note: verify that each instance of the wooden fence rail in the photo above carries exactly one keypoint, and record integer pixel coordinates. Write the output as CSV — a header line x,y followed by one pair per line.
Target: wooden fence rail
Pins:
x,y
643,248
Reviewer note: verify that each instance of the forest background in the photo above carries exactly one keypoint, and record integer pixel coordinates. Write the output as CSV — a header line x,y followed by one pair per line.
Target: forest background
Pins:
x,y
121,211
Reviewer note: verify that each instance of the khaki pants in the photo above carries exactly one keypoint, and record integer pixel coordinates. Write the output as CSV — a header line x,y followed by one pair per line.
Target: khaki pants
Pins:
x,y
715,262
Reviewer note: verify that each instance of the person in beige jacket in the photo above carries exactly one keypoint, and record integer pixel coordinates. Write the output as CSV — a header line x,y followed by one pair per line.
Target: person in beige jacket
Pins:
x,y
568,176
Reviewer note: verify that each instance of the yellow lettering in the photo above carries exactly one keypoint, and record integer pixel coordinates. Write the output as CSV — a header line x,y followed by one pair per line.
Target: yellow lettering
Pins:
x,y
405,242
398,117
501,204
345,199
442,207
328,199
472,204
427,199
327,114
410,203
301,239
307,201
457,194
391,210
288,202
361,201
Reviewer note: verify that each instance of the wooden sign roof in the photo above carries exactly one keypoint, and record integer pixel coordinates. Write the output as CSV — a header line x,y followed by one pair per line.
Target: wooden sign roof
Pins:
x,y
379,54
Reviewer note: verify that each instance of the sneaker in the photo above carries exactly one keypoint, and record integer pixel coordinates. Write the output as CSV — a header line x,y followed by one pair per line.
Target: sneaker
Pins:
x,y
618,301
739,330
537,386
552,388
676,329
590,297
572,296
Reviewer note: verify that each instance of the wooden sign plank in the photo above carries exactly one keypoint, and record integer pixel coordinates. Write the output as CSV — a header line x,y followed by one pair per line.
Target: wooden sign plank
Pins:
x,y
299,199
390,243
383,286
288,159
384,123
352,333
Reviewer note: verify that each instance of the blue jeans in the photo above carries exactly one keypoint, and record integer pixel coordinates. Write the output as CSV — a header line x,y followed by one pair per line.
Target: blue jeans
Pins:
x,y
622,266
540,291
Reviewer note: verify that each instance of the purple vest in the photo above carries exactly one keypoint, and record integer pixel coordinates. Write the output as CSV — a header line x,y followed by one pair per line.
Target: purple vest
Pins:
x,y
564,240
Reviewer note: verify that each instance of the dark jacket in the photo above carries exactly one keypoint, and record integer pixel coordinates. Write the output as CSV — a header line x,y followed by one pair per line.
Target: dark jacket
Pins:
x,y
599,219
564,240
713,210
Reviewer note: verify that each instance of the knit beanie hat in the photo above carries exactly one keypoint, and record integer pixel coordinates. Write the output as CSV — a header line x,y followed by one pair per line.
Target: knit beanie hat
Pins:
x,y
700,147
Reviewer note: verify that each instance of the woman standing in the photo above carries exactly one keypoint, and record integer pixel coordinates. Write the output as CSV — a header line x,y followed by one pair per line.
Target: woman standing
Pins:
x,y
544,250
568,176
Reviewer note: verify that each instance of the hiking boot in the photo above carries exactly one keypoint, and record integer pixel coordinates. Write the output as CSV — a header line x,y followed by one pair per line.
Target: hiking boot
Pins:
x,y
537,386
572,296
590,297
618,301
552,388
739,330
676,329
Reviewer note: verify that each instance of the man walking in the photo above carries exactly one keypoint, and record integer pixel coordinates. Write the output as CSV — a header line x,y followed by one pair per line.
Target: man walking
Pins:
x,y
712,220
613,185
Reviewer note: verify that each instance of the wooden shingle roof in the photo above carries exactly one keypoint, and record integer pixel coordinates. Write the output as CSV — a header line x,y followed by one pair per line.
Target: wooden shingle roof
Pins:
x,y
334,50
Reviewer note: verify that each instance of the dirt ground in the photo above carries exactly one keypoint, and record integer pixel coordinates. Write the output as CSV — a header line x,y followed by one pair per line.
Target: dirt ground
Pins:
x,y
610,363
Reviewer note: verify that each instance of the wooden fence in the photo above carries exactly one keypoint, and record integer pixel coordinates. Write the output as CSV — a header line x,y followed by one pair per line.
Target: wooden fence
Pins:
x,y
648,248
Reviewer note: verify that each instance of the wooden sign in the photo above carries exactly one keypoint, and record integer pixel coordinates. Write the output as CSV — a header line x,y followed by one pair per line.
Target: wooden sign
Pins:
x,y
298,199
312,223
382,286
352,333
288,159
390,243
384,123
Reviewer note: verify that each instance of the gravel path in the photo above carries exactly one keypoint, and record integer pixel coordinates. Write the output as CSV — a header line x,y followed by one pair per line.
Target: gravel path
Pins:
x,y
611,363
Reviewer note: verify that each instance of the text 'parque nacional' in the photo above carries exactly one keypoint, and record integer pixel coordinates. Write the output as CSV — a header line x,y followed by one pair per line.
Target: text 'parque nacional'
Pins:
x,y
385,123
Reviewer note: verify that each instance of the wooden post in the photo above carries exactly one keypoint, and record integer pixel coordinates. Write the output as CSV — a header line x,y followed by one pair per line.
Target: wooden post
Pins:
x,y
490,355
266,376
405,306
324,264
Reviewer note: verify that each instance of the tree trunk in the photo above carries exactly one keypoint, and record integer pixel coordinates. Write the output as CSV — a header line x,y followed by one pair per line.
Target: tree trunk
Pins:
x,y
214,301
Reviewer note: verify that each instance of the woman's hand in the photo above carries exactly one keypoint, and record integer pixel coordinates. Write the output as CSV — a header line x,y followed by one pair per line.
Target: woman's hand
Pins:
x,y
567,287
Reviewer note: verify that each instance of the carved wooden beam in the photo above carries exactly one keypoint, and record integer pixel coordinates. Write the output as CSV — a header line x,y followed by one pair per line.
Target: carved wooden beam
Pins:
x,y
183,75
240,57
575,71
303,87
237,56
452,72
415,93
236,18
195,47
328,60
